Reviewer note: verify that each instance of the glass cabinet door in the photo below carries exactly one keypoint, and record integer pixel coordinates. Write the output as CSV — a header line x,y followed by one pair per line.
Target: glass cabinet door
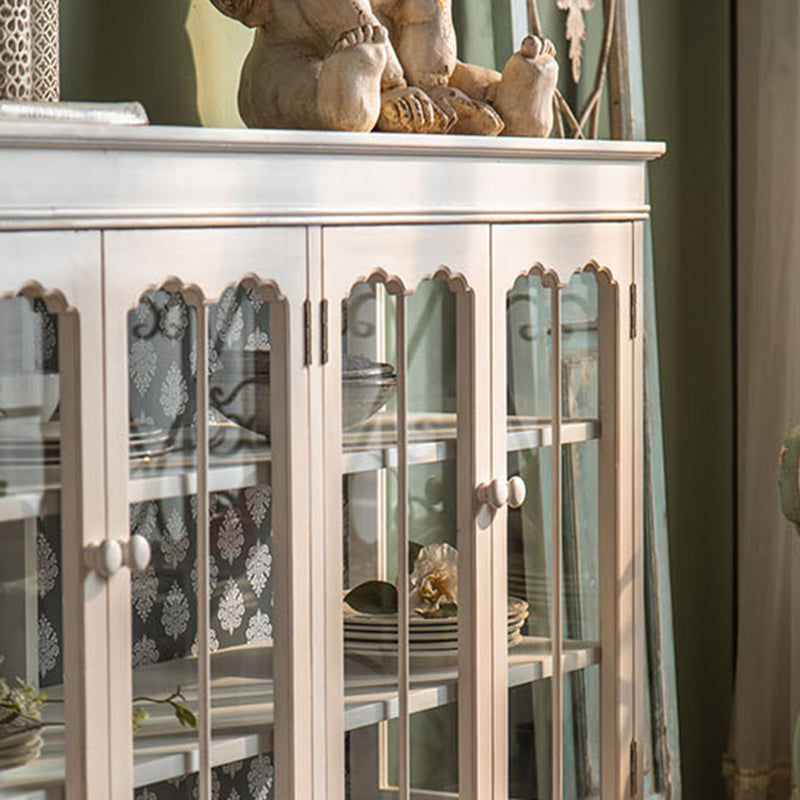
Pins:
x,y
211,417
53,670
399,390
570,544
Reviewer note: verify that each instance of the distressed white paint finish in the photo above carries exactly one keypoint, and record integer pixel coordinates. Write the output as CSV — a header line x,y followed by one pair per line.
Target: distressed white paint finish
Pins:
x,y
64,269
205,263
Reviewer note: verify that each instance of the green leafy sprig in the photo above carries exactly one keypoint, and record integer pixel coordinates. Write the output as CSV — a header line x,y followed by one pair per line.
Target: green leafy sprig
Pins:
x,y
184,715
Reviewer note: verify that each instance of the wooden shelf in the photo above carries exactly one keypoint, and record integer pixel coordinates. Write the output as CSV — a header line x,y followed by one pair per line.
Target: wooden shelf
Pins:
x,y
243,708
369,449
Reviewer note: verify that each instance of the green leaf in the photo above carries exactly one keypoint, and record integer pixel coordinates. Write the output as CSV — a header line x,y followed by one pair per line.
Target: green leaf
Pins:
x,y
139,716
185,716
413,551
373,597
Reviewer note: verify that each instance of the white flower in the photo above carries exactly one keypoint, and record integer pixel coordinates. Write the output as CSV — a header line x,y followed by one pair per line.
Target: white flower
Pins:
x,y
144,652
259,777
146,795
231,607
259,628
175,616
434,580
46,565
258,566
48,646
144,590
231,537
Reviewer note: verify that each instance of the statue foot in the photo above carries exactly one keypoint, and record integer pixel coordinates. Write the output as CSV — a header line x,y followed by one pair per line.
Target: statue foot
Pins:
x,y
471,116
349,88
524,95
408,109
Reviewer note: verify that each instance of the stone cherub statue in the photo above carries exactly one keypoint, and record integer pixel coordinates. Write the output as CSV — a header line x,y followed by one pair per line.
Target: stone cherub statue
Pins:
x,y
358,64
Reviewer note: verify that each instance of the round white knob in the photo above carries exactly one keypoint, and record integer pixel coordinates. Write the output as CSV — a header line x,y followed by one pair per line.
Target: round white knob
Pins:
x,y
108,556
494,494
136,553
104,558
516,492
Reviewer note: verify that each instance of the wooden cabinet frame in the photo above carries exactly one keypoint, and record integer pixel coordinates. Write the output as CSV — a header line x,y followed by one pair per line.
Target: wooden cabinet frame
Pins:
x,y
303,216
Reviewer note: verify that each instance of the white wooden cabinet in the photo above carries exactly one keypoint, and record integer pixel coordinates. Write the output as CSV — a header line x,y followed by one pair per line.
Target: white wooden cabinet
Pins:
x,y
220,287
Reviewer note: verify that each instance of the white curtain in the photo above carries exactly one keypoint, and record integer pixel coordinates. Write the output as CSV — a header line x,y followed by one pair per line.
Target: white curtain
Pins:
x,y
767,691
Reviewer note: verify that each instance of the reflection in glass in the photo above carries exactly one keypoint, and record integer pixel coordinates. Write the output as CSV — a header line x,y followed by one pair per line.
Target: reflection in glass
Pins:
x,y
530,539
372,504
580,536
31,612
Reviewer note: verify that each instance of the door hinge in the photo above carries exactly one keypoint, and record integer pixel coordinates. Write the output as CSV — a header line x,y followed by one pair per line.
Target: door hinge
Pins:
x,y
634,768
323,313
634,311
307,324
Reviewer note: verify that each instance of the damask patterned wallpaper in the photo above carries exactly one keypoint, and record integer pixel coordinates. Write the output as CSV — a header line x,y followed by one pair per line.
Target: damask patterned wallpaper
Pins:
x,y
162,367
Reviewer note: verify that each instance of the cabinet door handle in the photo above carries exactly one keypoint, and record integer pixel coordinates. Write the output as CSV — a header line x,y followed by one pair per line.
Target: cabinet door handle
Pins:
x,y
498,493
108,556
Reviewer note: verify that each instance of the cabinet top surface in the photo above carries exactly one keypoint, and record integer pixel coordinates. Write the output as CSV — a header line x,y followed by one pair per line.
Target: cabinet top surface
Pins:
x,y
49,135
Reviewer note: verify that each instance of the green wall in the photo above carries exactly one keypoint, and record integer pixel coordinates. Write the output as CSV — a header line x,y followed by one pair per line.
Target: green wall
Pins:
x,y
687,63
181,58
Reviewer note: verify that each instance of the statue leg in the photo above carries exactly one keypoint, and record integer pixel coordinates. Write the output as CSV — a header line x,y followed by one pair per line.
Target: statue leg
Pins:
x,y
291,86
524,94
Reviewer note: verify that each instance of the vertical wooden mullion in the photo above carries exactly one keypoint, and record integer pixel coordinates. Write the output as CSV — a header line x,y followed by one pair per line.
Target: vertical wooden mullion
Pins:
x,y
115,368
202,533
331,638
84,598
479,695
496,300
291,544
557,459
402,547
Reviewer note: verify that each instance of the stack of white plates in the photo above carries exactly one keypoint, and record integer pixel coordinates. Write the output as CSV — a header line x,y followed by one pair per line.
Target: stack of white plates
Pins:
x,y
377,633
19,745
23,444
144,444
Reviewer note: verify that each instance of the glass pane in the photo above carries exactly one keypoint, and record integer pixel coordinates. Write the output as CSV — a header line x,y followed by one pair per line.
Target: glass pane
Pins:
x,y
165,596
31,612
529,542
371,538
161,445
580,539
240,548
370,513
432,504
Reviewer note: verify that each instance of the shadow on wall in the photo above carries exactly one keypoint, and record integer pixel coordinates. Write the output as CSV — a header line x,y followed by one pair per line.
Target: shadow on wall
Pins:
x,y
132,50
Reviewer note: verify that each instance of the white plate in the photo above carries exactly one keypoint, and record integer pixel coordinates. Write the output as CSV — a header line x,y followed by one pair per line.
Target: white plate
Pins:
x,y
20,738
